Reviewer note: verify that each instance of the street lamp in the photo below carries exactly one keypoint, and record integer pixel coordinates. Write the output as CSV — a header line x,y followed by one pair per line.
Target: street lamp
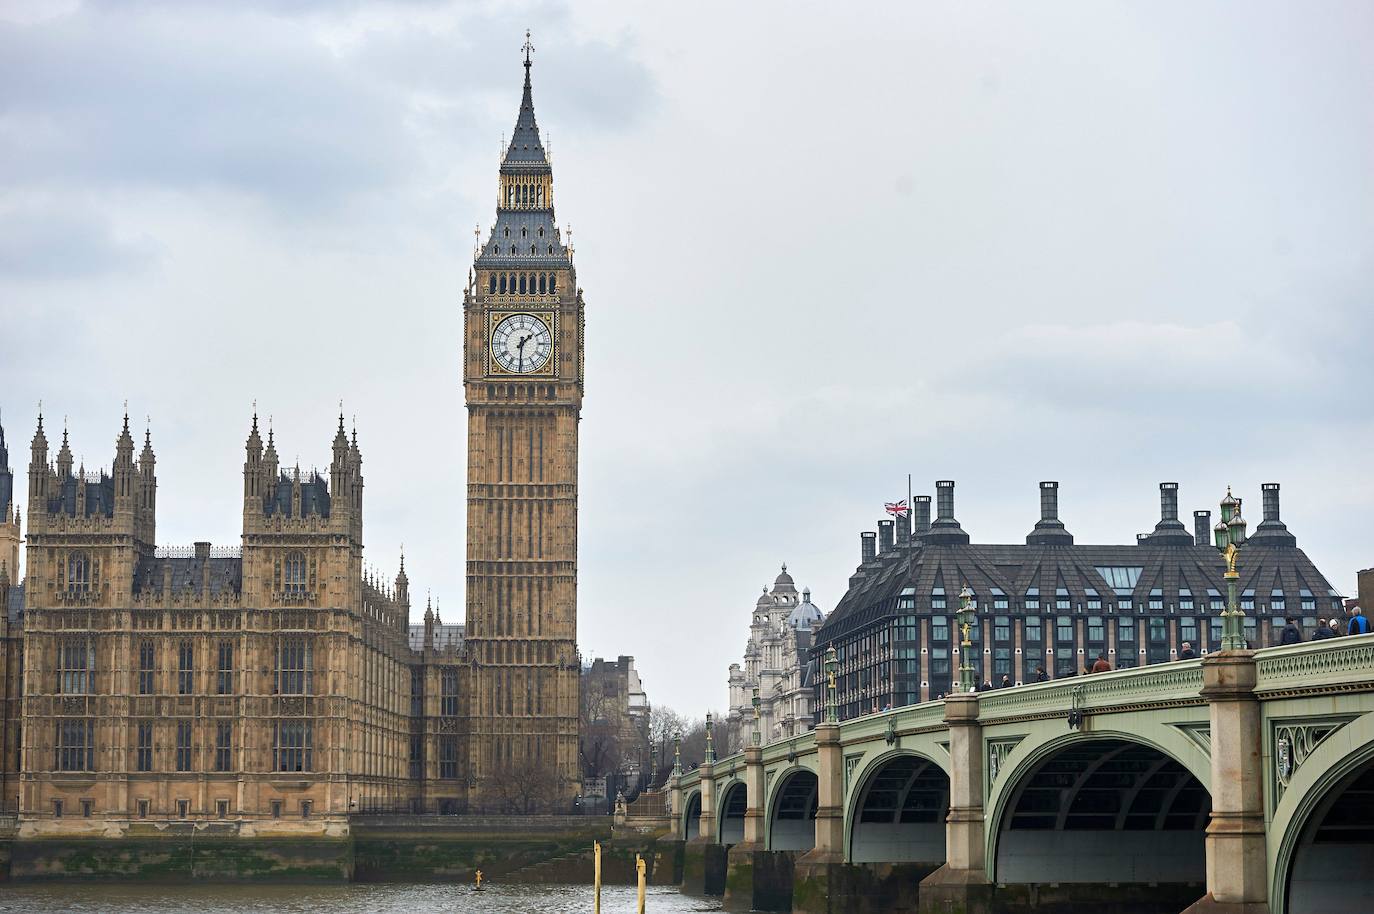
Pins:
x,y
710,743
966,622
677,754
757,704
832,664
1233,617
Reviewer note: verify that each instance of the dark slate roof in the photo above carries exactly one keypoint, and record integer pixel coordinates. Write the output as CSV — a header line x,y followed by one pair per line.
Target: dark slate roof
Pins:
x,y
526,150
446,635
99,496
1056,571
507,248
314,496
226,574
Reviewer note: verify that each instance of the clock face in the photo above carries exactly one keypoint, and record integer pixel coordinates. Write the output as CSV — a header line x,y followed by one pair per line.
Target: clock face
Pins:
x,y
521,343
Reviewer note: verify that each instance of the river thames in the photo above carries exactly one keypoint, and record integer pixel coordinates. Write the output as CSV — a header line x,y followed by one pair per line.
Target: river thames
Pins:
x,y
345,899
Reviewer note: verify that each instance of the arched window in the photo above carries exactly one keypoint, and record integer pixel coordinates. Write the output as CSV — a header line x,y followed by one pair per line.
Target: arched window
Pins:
x,y
541,233
543,283
522,283
507,231
503,284
550,249
553,284
524,232
510,195
491,284
293,574
78,572
532,250
512,249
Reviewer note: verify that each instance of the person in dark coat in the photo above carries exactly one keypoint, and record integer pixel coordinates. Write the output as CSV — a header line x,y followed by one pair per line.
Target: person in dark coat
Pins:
x,y
1291,633
1187,652
1006,682
1100,665
1326,630
1041,675
986,686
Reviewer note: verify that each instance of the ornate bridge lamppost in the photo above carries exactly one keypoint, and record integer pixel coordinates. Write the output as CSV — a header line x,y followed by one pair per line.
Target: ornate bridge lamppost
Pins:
x,y
966,622
1233,617
677,754
710,744
758,739
832,665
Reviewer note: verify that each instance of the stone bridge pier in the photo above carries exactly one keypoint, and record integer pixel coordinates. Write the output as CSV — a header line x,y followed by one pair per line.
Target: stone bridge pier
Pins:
x,y
1242,783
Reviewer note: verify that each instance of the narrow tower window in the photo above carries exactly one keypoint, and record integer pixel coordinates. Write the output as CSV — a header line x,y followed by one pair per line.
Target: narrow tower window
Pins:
x,y
503,284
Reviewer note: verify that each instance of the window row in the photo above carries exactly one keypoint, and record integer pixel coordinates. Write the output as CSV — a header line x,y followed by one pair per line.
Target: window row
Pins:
x,y
294,669
292,745
523,283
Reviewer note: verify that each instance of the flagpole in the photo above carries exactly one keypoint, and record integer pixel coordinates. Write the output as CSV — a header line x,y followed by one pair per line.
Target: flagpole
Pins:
x,y
910,505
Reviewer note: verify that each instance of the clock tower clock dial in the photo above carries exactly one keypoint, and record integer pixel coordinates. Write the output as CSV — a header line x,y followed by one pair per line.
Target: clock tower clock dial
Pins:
x,y
522,382
521,343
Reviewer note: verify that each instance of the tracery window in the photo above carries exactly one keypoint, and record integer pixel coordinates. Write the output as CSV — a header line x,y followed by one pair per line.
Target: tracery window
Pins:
x,y
183,754
293,574
224,679
294,667
292,745
186,668
78,572
147,663
449,697
75,744
76,666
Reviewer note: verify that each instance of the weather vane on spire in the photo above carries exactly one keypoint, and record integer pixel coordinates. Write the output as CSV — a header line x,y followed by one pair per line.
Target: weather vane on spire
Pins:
x,y
528,48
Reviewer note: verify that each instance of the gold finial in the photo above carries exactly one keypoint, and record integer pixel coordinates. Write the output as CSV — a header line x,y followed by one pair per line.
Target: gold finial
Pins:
x,y
1231,554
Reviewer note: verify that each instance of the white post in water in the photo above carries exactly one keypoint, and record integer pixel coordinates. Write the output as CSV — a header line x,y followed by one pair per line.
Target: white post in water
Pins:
x,y
596,877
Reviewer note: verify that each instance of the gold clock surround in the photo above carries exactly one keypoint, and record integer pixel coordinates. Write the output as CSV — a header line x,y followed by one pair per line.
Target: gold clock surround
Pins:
x,y
550,318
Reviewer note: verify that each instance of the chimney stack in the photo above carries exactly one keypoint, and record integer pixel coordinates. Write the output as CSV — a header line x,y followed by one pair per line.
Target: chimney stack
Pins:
x,y
922,509
1202,528
945,530
904,530
1168,501
944,500
884,537
868,546
1170,530
1272,531
1049,530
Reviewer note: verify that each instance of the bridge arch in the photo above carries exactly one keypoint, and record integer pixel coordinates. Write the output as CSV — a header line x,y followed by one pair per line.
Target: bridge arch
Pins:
x,y
734,800
1100,807
792,804
691,816
896,811
1324,822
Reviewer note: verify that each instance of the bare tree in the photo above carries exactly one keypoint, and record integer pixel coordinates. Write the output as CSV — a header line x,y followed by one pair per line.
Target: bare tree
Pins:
x,y
665,724
602,745
524,787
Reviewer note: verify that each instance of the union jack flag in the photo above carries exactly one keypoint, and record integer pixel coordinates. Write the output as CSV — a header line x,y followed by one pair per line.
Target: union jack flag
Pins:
x,y
896,508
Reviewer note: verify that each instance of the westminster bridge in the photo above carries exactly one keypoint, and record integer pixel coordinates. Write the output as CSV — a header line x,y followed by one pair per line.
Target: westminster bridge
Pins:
x,y
1238,782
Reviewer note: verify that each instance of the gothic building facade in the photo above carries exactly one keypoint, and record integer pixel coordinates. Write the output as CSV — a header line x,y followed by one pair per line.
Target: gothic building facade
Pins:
x,y
277,686
1054,604
777,661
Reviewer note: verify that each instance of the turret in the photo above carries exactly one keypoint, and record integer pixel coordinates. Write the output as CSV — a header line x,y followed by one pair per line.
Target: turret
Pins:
x,y
64,456
403,586
147,490
254,480
38,469
124,475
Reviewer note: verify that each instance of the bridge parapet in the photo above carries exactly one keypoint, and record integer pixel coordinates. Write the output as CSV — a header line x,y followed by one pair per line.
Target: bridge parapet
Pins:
x,y
1180,681
1334,665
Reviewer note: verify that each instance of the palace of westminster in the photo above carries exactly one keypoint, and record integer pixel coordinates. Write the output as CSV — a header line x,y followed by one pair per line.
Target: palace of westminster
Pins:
x,y
277,685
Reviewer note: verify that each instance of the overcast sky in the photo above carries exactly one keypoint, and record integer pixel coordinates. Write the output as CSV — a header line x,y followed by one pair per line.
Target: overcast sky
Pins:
x,y
1108,244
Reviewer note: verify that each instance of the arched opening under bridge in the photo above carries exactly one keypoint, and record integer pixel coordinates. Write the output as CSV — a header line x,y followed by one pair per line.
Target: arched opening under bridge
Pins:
x,y
792,826
691,817
899,816
1105,811
732,806
1333,865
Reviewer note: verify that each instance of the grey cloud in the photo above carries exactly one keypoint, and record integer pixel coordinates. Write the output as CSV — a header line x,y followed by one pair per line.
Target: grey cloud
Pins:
x,y
56,241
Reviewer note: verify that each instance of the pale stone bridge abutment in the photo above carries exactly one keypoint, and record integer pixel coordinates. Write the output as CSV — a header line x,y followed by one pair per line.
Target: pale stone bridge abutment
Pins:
x,y
1241,782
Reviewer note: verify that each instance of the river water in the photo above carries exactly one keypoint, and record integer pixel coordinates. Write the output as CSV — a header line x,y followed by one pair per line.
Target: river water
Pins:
x,y
344,899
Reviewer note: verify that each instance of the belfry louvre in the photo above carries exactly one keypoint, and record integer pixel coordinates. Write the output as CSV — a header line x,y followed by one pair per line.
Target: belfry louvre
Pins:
x,y
1052,603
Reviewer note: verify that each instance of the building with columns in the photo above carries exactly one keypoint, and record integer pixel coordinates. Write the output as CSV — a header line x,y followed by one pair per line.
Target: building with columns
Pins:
x,y
1053,602
777,661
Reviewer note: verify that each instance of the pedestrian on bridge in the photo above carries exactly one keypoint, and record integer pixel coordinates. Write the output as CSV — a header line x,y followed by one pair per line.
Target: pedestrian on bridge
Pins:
x,y
1100,665
1041,675
1327,629
1291,633
1187,652
1006,682
1359,625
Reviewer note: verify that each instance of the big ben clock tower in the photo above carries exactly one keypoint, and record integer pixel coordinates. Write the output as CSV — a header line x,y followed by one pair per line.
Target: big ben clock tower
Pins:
x,y
522,379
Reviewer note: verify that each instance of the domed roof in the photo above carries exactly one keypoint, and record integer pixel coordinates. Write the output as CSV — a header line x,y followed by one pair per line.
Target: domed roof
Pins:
x,y
784,582
1230,500
765,599
806,614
